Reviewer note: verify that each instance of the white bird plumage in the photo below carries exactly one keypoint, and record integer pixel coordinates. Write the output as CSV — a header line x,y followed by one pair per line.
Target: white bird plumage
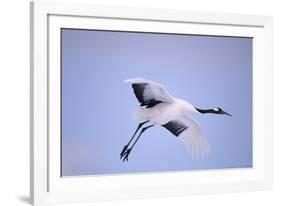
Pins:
x,y
159,107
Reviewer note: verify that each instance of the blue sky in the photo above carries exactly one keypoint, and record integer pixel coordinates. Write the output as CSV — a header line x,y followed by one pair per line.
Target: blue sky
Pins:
x,y
97,107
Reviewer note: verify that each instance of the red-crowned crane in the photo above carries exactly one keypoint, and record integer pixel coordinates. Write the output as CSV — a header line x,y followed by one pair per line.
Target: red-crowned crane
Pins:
x,y
158,107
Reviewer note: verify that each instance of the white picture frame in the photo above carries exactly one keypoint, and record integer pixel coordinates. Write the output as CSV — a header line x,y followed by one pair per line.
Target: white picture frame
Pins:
x,y
47,18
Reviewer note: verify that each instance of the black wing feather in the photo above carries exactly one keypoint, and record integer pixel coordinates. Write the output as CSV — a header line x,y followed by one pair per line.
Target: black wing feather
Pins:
x,y
175,127
139,91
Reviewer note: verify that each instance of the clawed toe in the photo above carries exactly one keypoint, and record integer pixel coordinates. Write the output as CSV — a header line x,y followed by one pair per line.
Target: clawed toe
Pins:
x,y
123,151
126,155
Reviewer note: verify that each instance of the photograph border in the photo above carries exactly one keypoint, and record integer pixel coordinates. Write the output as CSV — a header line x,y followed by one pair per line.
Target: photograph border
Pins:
x,y
40,169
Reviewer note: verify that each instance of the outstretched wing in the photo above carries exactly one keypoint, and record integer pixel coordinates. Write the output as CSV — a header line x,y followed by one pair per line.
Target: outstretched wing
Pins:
x,y
189,132
149,93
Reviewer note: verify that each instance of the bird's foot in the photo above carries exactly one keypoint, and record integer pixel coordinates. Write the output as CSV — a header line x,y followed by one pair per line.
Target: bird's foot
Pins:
x,y
123,151
126,154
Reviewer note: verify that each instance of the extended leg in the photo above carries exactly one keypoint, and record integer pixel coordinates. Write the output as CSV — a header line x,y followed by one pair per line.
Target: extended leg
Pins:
x,y
127,152
127,145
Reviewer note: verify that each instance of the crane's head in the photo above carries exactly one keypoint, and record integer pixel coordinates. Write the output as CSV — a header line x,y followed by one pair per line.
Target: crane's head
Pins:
x,y
218,110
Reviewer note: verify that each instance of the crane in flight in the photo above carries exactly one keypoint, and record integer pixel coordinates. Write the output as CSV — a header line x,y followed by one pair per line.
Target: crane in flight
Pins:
x,y
158,107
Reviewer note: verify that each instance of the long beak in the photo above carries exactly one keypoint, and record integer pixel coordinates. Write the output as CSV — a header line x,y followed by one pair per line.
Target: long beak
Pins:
x,y
223,112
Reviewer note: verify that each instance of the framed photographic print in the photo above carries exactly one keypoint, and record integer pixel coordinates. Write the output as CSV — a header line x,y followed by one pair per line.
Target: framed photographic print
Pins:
x,y
137,103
